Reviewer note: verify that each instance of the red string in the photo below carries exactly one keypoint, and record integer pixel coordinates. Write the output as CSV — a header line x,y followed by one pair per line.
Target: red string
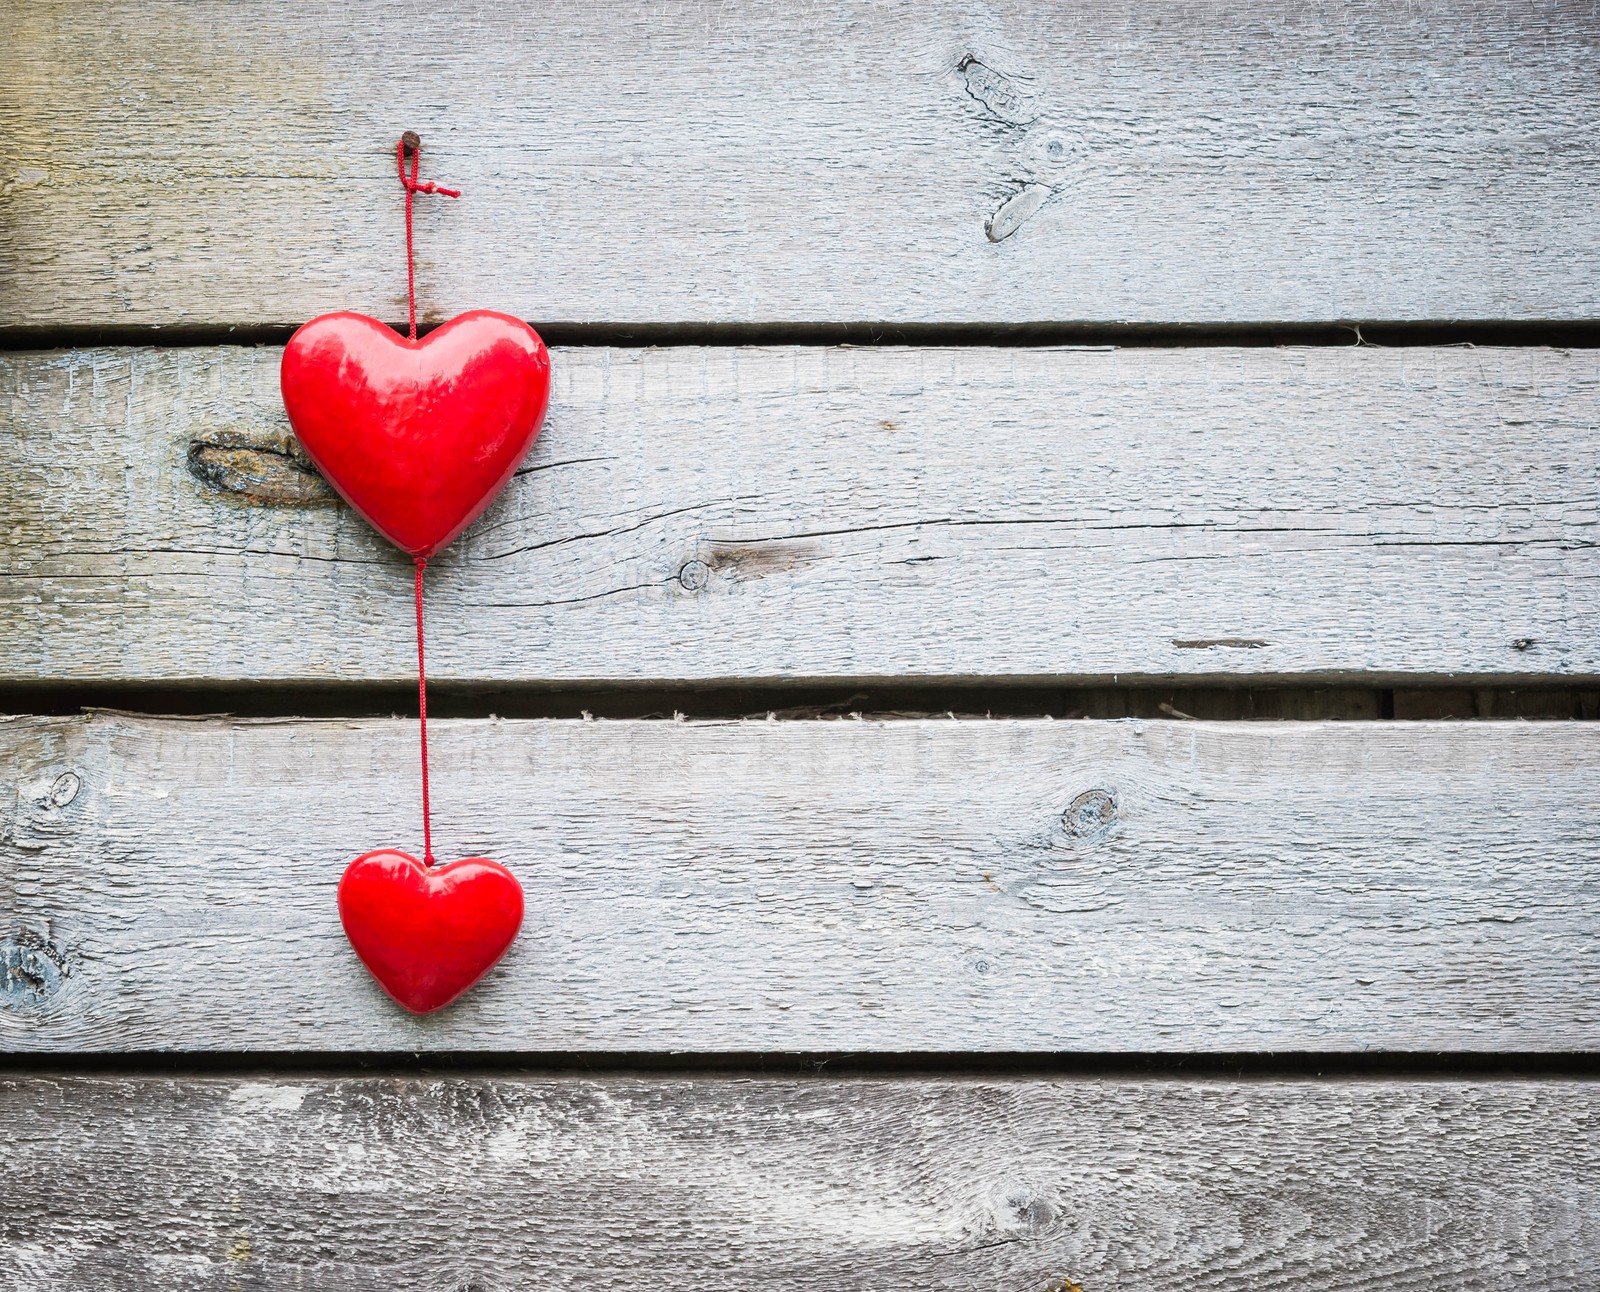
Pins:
x,y
422,709
411,186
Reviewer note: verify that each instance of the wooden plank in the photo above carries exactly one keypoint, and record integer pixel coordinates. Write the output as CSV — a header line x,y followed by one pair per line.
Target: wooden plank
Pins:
x,y
732,515
901,886
1015,162
375,1183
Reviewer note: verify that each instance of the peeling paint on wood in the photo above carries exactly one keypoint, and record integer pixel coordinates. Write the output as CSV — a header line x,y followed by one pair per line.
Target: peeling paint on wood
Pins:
x,y
1248,161
860,515
915,885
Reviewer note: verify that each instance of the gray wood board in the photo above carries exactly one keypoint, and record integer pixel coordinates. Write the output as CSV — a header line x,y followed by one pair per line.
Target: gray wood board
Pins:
x,y
903,515
921,885
1013,162
809,1185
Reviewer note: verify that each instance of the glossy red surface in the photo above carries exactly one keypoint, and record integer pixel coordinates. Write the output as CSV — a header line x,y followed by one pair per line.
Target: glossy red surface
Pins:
x,y
427,934
419,436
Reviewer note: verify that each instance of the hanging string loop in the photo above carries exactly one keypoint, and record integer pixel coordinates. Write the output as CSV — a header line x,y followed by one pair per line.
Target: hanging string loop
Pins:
x,y
411,143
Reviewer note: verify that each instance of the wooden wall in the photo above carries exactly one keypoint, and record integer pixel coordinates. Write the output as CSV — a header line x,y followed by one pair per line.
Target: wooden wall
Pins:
x,y
1040,680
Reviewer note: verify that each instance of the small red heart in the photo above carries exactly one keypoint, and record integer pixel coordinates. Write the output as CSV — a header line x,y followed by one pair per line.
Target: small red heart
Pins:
x,y
428,933
419,436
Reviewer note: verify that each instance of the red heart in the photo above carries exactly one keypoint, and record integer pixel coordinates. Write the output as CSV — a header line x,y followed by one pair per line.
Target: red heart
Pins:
x,y
419,436
428,933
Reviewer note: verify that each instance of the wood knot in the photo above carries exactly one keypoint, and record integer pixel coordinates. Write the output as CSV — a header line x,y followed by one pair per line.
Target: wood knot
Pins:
x,y
64,790
32,969
1092,815
693,576
1024,1212
1015,211
1005,98
266,474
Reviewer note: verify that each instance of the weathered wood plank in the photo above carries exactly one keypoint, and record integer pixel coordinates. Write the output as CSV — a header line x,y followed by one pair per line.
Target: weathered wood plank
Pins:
x,y
1009,1186
919,885
710,515
1015,162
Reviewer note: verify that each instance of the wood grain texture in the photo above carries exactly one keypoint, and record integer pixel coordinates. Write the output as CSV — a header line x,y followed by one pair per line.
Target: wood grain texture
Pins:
x,y
809,1186
716,515
1013,162
900,886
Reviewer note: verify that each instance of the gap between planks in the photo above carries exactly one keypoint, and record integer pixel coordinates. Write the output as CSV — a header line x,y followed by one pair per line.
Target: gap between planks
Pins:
x,y
1369,333
804,703
1253,1066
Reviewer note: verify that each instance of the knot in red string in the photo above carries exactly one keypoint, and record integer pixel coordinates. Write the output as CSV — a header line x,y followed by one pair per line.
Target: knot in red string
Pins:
x,y
410,181
429,187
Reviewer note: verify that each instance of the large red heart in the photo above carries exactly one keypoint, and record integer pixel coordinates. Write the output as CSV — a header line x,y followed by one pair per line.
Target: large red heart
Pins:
x,y
428,933
419,436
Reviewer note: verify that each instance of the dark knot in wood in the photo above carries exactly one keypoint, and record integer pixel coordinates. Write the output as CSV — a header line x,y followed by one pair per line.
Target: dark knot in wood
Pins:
x,y
266,474
1091,815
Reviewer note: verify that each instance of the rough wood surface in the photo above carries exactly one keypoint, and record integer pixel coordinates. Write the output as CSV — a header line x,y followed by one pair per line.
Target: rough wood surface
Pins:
x,y
918,885
710,515
1011,162
808,1186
